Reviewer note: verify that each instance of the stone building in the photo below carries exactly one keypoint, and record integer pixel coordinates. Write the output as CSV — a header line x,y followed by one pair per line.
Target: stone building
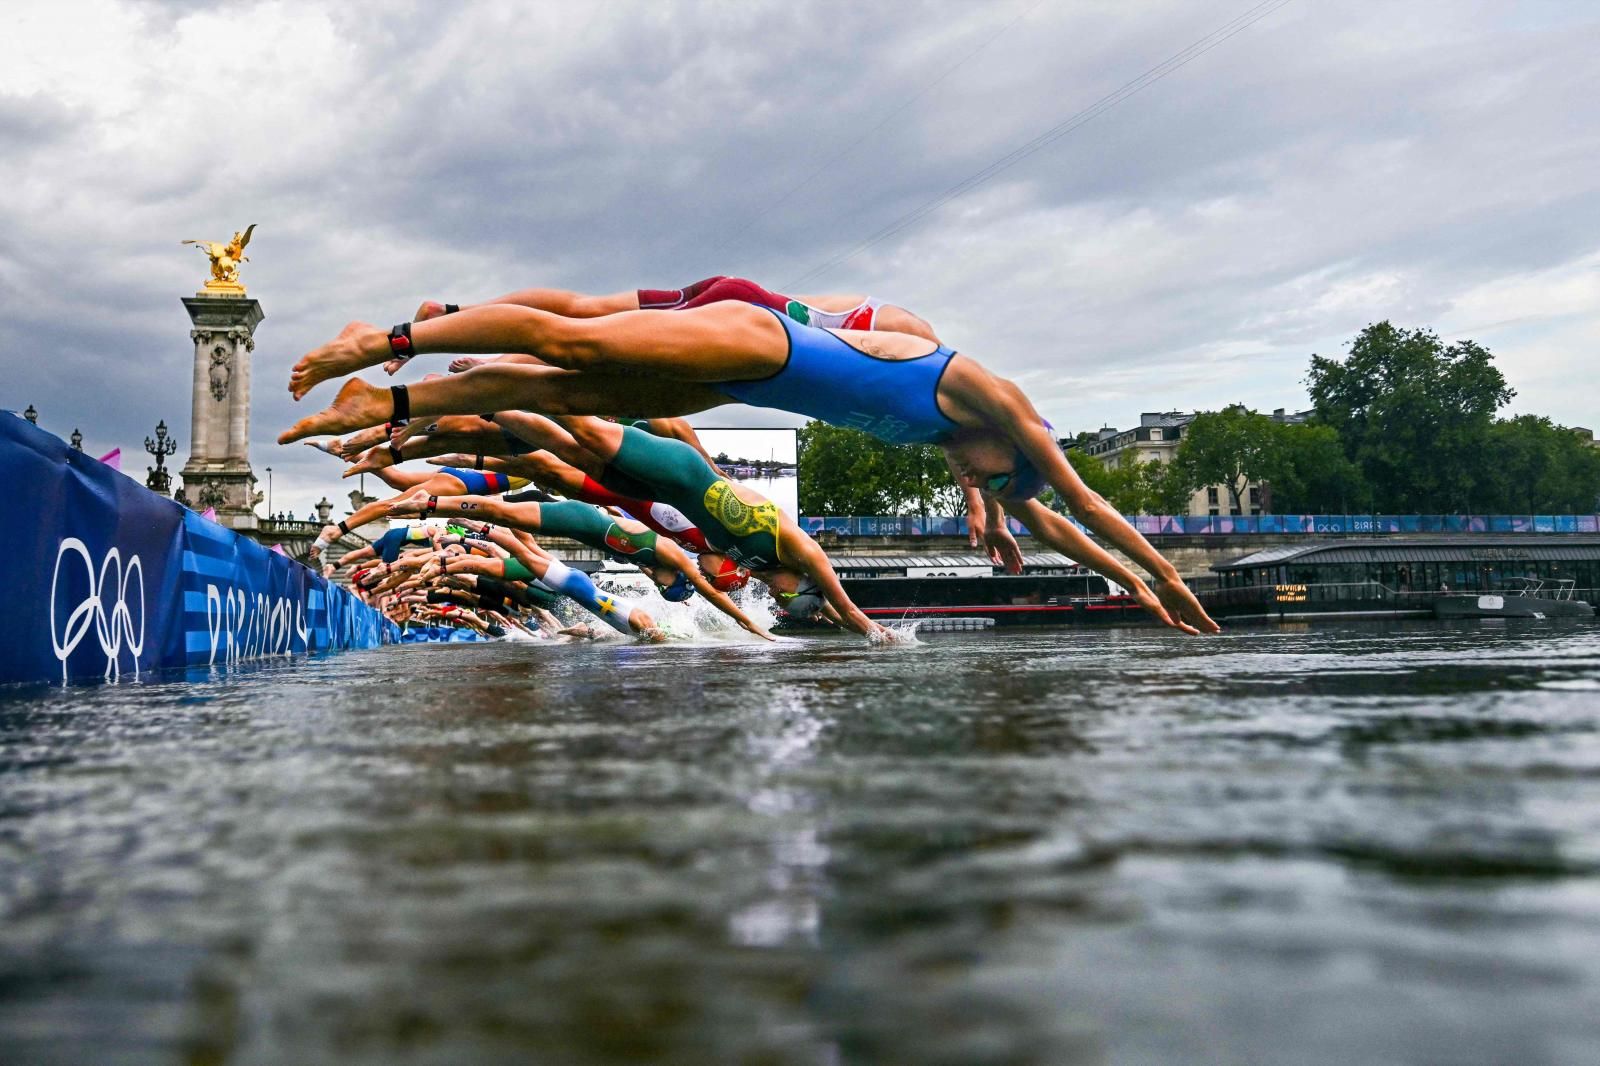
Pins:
x,y
1155,440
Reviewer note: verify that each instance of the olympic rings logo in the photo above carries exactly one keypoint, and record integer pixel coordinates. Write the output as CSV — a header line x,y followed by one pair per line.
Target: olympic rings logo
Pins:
x,y
112,620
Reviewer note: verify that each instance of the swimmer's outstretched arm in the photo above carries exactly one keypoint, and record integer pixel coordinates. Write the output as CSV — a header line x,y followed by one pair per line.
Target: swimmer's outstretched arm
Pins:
x,y
977,512
676,557
808,557
1173,603
1069,540
996,535
1004,406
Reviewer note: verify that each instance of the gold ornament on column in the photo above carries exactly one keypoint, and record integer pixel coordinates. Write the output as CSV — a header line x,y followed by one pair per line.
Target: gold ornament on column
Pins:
x,y
225,259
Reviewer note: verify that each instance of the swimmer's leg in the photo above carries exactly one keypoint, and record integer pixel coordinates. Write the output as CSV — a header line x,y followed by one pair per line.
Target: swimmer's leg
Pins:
x,y
615,611
728,341
490,388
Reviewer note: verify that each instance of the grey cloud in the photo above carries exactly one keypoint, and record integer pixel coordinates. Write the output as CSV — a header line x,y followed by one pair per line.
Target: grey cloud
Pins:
x,y
1188,248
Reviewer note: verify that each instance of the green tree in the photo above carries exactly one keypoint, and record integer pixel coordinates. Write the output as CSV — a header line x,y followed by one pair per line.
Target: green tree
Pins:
x,y
1539,467
921,482
1308,472
1414,415
848,472
1092,469
1170,489
1131,487
1232,447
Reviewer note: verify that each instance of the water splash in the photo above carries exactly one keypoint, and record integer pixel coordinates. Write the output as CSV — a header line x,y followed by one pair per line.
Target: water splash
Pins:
x,y
693,620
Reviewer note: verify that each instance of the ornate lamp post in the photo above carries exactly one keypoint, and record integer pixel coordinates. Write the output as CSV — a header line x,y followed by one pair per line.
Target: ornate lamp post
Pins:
x,y
77,440
31,415
269,492
161,447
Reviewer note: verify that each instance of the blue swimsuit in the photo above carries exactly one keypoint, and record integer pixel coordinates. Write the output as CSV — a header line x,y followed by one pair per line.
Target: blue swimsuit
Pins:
x,y
388,546
893,399
478,482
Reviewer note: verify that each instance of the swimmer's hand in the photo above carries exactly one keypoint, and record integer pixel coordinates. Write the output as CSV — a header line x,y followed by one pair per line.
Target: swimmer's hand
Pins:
x,y
1003,548
884,635
1182,610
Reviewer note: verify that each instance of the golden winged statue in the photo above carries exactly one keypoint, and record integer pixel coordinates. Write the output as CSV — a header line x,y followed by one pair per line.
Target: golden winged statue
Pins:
x,y
225,259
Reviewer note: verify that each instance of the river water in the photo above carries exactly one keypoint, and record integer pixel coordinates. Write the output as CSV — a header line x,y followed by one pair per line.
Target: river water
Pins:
x,y
1341,843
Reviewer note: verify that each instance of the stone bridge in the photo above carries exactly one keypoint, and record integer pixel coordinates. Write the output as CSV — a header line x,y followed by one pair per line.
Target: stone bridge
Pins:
x,y
296,537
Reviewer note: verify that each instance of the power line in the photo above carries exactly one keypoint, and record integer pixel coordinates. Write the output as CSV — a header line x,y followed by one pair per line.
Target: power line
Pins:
x,y
1156,73
847,149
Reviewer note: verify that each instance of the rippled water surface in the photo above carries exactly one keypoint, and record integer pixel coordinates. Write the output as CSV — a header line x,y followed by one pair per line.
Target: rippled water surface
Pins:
x,y
1339,844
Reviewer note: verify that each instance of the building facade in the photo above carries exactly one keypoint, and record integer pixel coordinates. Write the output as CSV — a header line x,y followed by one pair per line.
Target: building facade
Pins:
x,y
1155,440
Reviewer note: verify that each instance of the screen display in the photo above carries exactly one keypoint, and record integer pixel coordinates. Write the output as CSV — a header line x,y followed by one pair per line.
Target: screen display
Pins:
x,y
764,459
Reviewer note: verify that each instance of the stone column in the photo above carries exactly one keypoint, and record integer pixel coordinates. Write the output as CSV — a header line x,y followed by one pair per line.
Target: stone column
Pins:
x,y
218,472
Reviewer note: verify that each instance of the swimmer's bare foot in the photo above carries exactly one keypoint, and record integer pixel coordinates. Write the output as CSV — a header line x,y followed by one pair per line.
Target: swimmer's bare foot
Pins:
x,y
356,443
416,503
357,406
330,446
371,461
466,362
428,309
357,346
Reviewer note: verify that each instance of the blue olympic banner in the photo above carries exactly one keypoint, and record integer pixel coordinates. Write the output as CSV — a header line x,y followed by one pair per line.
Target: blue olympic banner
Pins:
x,y
104,578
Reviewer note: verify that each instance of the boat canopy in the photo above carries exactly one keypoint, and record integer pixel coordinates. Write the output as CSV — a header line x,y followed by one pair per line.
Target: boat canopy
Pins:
x,y
1456,548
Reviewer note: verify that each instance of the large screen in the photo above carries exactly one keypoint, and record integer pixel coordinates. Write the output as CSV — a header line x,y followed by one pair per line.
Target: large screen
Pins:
x,y
764,459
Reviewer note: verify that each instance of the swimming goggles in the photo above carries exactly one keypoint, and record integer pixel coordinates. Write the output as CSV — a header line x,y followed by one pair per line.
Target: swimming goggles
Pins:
x,y
997,483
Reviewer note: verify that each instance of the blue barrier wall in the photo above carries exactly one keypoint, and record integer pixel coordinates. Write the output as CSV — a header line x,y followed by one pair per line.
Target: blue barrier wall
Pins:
x,y
1221,525
105,578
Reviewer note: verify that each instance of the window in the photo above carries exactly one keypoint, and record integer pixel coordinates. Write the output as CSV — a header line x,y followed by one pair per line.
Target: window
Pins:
x,y
1211,497
1212,512
1255,497
1155,434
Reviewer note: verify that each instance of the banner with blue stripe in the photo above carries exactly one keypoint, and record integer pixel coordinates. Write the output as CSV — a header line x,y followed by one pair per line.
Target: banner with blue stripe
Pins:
x,y
107,579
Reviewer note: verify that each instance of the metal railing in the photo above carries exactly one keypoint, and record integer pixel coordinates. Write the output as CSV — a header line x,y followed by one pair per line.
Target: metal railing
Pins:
x,y
1222,525
1288,597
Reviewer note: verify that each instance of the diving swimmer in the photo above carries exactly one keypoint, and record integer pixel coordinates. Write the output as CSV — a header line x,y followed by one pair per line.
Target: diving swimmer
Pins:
x,y
674,363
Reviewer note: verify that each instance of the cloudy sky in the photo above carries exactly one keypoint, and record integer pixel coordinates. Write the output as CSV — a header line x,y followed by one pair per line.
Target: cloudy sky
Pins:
x,y
1334,164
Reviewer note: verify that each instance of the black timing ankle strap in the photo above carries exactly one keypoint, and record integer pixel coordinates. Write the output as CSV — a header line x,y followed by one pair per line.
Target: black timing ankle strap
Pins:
x,y
402,405
451,309
400,345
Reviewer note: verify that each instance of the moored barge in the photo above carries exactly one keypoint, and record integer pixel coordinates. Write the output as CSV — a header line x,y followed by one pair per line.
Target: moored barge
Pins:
x,y
1398,576
1052,590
